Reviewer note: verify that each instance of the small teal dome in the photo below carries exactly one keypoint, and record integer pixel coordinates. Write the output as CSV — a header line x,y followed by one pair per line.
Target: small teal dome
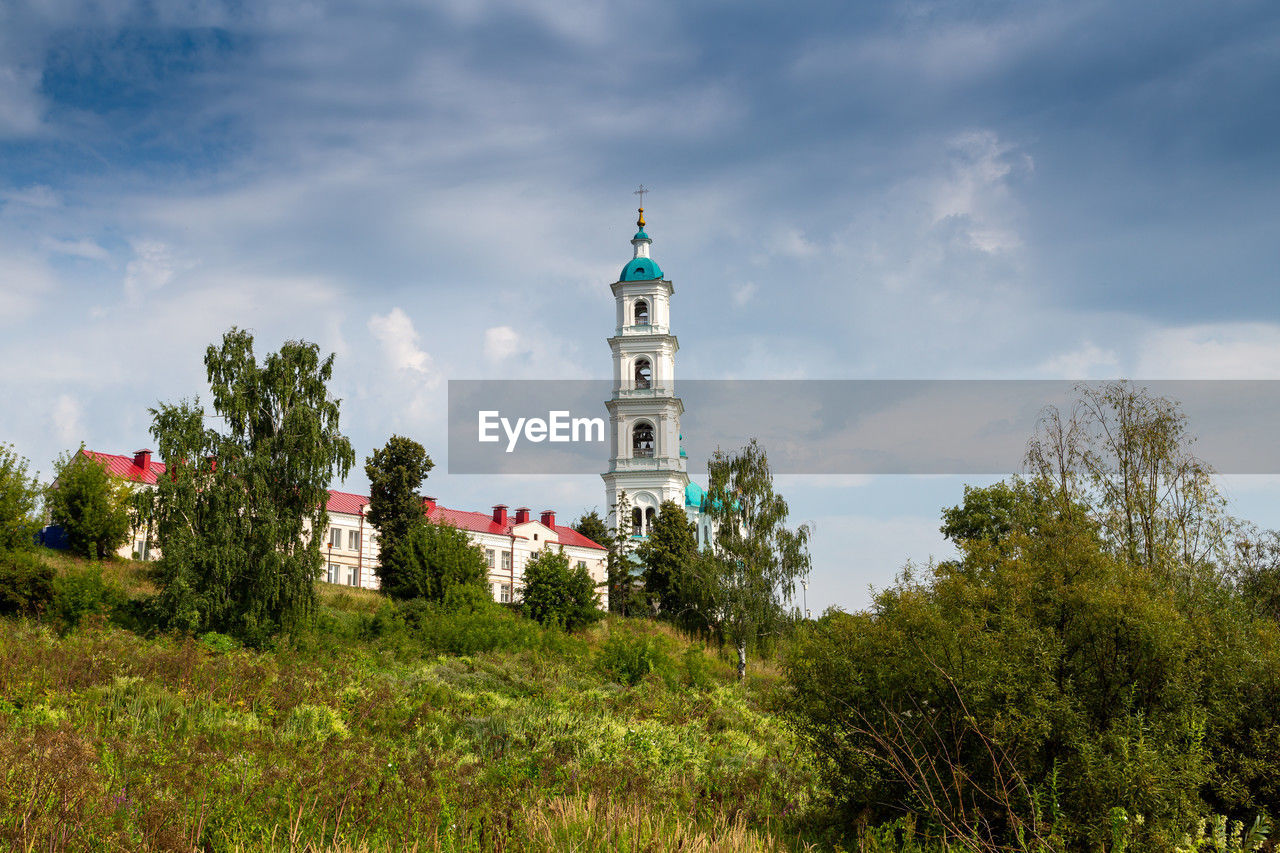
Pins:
x,y
694,495
640,235
641,269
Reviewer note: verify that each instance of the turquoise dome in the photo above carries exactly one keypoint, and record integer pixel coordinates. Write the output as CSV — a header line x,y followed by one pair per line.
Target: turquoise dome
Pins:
x,y
641,269
694,495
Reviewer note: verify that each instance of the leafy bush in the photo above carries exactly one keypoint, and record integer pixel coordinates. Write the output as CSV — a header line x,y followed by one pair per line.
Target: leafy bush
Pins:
x,y
26,583
81,592
220,643
90,505
554,594
19,501
628,656
1058,680
466,631
430,561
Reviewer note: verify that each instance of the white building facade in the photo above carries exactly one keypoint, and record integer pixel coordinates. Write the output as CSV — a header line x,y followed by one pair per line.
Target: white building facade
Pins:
x,y
350,544
508,540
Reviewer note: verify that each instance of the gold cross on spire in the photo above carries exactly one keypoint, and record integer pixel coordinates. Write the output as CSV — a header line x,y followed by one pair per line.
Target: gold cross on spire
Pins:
x,y
641,192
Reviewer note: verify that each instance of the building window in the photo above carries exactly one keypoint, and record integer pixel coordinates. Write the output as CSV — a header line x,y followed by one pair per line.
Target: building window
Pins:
x,y
642,313
335,537
642,443
353,540
506,561
489,557
351,575
648,519
504,593
644,374
582,564
637,522
332,575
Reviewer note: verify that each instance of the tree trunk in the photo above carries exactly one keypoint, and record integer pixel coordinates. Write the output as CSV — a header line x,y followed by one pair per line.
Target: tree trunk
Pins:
x,y
742,661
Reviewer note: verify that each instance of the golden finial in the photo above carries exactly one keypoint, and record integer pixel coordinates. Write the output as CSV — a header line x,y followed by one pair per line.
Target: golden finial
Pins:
x,y
641,192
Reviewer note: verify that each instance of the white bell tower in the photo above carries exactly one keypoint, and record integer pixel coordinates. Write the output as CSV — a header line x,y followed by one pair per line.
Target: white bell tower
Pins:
x,y
646,461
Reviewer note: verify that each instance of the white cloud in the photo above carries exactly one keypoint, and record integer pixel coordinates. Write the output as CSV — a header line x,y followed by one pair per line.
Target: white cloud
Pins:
x,y
66,420
84,248
399,340
500,343
1089,361
20,106
744,293
24,281
1211,351
976,195
152,268
36,195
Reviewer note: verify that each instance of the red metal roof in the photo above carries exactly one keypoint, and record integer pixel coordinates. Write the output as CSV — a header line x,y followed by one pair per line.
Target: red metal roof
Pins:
x,y
478,522
126,467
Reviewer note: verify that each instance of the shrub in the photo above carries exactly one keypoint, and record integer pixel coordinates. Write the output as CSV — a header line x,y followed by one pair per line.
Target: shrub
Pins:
x,y
554,594
486,627
81,592
628,656
430,561
26,583
90,505
19,501
1057,681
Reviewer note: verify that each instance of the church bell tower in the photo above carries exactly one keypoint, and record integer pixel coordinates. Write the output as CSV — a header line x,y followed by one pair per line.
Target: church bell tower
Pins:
x,y
646,461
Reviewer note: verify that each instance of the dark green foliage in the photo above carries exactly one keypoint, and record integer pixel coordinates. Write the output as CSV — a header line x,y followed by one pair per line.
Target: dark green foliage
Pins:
x,y
558,595
993,513
26,583
396,472
1256,571
626,595
671,583
592,526
430,561
461,630
1055,677
19,502
629,656
753,569
236,512
90,505
83,591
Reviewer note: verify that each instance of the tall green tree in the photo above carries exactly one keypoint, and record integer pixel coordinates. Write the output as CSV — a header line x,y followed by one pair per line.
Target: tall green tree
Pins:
x,y
753,568
1126,454
396,472
19,501
625,596
90,505
669,555
238,515
429,561
556,594
592,526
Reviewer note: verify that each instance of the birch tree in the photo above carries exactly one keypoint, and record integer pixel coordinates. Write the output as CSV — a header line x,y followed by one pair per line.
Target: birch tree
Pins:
x,y
240,510
755,563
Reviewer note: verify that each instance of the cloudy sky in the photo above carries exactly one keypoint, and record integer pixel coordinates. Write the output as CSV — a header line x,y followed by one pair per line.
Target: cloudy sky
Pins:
x,y
442,190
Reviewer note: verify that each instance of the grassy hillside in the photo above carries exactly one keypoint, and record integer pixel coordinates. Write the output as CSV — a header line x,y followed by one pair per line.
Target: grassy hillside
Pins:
x,y
363,735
